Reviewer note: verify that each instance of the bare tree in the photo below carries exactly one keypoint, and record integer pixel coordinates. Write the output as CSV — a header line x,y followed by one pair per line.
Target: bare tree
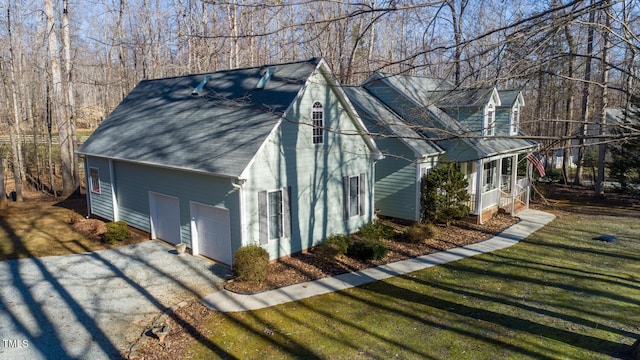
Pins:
x,y
61,116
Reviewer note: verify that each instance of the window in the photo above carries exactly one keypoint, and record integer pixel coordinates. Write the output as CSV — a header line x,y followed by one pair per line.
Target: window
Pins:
x,y
489,128
353,195
317,119
94,180
490,182
515,121
275,214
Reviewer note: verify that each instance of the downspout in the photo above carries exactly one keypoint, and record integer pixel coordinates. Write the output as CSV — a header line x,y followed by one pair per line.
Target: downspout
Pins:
x,y
238,183
377,155
514,183
416,215
86,181
479,174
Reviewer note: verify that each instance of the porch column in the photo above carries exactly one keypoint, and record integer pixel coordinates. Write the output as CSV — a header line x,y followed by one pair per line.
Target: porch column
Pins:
x,y
514,183
479,189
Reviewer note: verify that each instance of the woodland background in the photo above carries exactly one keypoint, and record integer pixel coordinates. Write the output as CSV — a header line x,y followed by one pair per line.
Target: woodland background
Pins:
x,y
65,64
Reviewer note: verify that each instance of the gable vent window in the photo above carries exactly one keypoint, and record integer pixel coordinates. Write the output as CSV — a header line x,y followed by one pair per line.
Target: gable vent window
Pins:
x,y
317,119
265,79
515,121
200,86
489,120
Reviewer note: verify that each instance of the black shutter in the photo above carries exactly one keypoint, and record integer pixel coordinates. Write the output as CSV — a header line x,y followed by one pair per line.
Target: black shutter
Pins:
x,y
263,222
345,197
363,194
286,212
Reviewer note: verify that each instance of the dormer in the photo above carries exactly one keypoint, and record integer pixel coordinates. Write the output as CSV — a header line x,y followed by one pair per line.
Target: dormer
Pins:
x,y
489,119
510,111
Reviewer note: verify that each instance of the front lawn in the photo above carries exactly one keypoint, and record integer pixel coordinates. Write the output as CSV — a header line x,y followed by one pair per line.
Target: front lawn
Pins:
x,y
41,227
559,294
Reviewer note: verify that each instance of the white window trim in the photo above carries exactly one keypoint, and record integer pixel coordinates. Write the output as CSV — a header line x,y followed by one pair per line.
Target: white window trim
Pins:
x,y
357,197
91,178
281,235
489,125
515,120
317,139
493,168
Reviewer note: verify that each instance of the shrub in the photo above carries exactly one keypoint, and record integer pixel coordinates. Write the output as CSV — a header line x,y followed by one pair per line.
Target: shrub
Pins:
x,y
377,230
116,231
419,232
367,249
335,245
444,194
251,263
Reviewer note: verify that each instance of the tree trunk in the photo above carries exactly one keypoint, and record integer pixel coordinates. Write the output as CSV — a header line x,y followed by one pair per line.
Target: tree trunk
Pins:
x,y
585,98
71,102
3,190
602,148
566,147
60,116
15,133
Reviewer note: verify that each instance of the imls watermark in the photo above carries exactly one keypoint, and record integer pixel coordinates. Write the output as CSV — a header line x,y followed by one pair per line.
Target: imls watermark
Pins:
x,y
15,343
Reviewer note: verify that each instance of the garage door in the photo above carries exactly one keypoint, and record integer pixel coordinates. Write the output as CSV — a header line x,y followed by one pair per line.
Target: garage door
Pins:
x,y
165,217
213,232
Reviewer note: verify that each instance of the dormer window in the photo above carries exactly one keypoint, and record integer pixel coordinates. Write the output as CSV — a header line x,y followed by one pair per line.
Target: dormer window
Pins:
x,y
489,126
515,121
317,121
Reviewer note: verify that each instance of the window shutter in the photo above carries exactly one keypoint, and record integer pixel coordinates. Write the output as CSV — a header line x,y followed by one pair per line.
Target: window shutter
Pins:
x,y
263,221
345,197
363,194
286,212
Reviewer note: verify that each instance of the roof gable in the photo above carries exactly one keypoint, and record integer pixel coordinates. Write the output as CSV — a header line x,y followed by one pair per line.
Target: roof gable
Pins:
x,y
452,135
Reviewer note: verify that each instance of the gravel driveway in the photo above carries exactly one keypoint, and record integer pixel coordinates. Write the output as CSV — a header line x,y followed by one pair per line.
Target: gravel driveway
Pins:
x,y
94,305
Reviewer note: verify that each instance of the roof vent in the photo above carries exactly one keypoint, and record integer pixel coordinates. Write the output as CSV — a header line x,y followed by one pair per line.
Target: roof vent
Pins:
x,y
265,79
198,88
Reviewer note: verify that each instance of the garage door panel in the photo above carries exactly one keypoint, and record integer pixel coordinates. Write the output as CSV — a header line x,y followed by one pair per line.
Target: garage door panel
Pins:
x,y
165,217
213,232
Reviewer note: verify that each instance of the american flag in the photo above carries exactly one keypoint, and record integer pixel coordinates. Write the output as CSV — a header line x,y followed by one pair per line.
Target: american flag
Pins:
x,y
537,164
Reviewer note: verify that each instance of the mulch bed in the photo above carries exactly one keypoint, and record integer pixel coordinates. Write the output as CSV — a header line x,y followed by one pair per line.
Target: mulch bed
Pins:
x,y
315,265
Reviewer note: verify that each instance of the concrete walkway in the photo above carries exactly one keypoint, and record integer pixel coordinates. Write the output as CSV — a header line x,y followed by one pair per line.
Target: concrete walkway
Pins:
x,y
227,301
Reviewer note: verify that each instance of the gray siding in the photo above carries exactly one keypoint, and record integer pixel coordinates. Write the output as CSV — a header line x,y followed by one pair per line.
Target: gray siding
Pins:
x,y
396,174
101,204
314,173
503,120
136,181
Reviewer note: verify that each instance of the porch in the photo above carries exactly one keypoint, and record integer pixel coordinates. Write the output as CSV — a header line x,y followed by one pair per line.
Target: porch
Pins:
x,y
500,183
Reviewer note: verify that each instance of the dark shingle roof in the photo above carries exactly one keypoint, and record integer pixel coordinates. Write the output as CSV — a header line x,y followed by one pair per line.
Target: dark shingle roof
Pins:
x,y
508,97
217,131
376,114
458,141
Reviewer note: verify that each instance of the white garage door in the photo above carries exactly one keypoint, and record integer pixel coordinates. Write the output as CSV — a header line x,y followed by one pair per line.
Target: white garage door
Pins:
x,y
213,232
165,217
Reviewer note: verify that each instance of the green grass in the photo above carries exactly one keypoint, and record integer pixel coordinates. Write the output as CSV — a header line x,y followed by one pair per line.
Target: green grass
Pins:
x,y
558,295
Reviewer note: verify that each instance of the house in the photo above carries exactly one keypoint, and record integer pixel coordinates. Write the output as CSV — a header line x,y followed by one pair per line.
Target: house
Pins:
x,y
408,156
274,155
477,128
